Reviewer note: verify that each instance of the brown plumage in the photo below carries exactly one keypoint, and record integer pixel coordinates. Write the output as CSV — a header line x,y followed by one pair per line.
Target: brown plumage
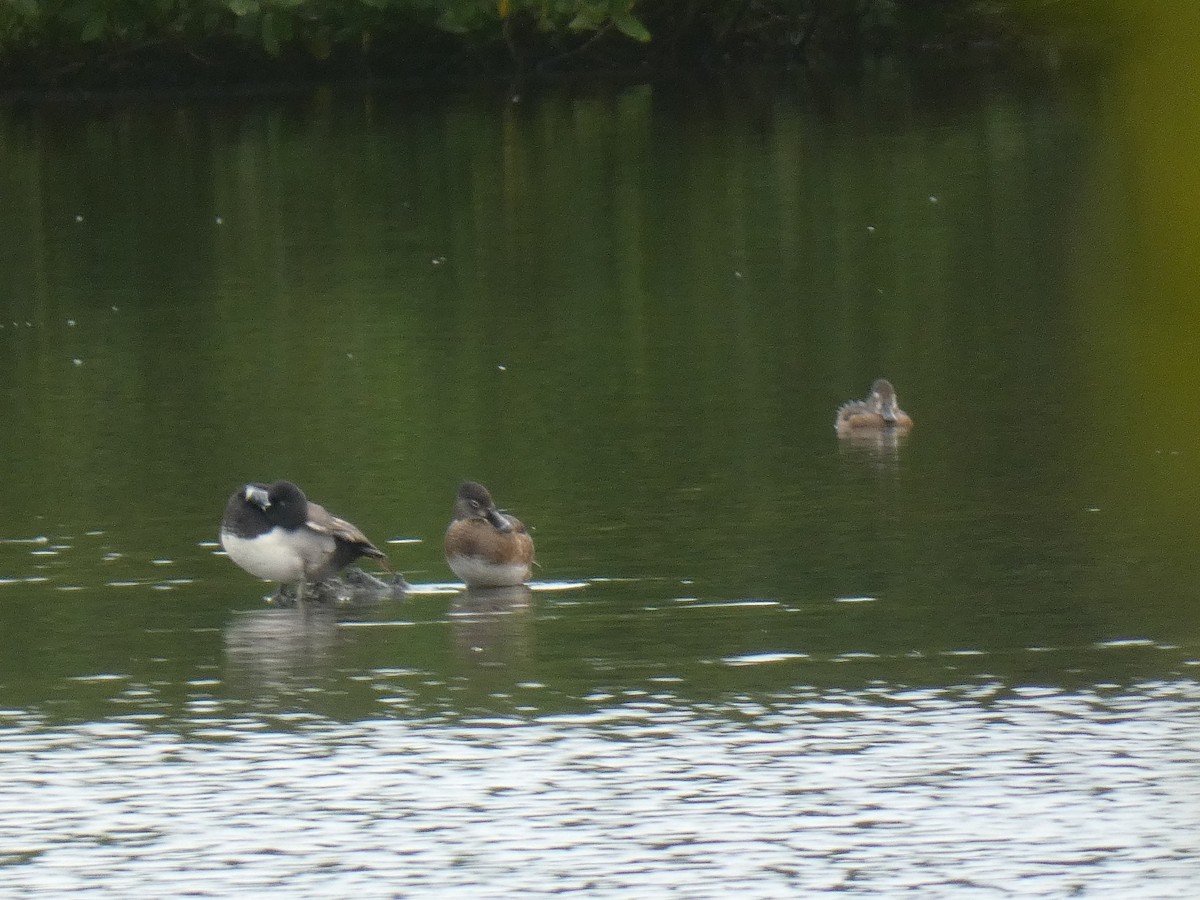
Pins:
x,y
878,412
351,542
485,547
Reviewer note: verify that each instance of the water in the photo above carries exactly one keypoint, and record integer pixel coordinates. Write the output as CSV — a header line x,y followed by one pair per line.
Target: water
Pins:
x,y
753,659
1035,791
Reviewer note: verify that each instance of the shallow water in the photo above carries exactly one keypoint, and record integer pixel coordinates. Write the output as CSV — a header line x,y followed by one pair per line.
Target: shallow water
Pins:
x,y
753,659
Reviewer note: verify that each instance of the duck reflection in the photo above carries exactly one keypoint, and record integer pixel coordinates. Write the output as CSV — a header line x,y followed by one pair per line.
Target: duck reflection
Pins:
x,y
879,447
274,647
493,626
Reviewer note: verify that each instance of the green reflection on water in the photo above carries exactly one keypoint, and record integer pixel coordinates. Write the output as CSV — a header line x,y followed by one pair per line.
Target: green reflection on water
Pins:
x,y
633,317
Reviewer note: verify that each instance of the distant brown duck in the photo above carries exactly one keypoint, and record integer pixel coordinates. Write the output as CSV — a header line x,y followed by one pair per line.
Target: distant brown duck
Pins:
x,y
878,412
485,547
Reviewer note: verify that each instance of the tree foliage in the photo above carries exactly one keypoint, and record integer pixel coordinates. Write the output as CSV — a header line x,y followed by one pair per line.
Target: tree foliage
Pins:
x,y
42,40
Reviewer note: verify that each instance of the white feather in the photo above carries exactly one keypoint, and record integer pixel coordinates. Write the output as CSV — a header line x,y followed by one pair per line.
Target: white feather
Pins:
x,y
476,572
279,555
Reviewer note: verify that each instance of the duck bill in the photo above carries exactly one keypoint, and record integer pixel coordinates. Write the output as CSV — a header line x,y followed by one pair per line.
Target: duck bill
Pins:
x,y
257,495
888,411
499,520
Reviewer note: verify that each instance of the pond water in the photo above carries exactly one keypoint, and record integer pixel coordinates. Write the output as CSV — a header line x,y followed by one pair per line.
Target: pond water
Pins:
x,y
754,659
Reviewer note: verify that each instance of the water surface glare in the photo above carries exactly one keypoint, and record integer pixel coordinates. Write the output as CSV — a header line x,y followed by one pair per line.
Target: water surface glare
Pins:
x,y
1038,793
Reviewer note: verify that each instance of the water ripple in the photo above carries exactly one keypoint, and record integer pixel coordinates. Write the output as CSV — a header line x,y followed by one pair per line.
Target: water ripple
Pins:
x,y
1037,792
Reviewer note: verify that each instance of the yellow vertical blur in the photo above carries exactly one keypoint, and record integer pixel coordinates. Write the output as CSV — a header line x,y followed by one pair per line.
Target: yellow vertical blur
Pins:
x,y
1136,269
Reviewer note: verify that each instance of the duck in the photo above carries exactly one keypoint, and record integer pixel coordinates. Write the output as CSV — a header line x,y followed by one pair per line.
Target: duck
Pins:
x,y
274,532
485,547
878,412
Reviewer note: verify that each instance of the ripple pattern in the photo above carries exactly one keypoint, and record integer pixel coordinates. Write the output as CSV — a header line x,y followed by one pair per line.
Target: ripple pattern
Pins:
x,y
1036,792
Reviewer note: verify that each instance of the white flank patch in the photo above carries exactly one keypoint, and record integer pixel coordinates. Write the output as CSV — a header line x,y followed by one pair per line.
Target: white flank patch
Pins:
x,y
271,557
477,572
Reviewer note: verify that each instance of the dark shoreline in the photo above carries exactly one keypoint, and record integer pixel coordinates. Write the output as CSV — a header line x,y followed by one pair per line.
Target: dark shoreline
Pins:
x,y
515,59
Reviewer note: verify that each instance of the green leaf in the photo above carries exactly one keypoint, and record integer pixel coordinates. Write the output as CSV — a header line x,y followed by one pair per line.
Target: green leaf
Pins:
x,y
587,19
242,7
94,27
629,25
450,20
